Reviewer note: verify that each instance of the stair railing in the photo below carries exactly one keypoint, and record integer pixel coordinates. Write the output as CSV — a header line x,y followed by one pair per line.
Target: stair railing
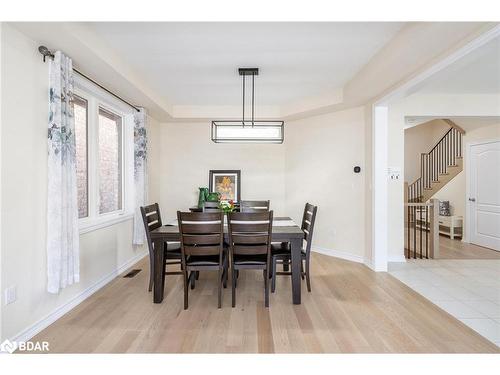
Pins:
x,y
436,162
422,230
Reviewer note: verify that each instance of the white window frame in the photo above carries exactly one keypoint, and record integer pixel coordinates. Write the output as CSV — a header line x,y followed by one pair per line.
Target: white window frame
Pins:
x,y
98,98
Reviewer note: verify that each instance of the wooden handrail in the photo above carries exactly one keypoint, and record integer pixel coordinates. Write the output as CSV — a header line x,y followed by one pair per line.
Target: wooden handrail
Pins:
x,y
436,162
454,125
438,142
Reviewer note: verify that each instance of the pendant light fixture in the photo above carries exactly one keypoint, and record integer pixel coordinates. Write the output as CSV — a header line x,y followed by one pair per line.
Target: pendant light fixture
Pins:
x,y
247,130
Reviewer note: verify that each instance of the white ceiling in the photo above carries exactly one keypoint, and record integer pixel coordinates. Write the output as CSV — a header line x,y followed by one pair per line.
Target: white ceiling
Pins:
x,y
476,73
196,63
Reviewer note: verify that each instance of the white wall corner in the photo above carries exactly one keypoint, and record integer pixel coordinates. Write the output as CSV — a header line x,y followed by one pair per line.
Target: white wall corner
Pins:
x,y
369,263
397,259
43,323
380,188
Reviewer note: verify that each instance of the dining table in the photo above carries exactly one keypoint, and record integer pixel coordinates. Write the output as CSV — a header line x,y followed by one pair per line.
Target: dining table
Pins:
x,y
284,230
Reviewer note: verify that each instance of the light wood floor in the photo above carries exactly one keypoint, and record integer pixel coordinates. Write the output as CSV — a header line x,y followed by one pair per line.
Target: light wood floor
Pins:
x,y
456,249
350,309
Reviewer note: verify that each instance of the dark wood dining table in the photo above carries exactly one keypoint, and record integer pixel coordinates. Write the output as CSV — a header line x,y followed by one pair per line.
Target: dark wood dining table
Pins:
x,y
170,233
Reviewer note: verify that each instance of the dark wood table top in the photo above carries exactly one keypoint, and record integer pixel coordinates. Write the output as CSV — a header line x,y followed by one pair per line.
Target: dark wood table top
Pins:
x,y
171,232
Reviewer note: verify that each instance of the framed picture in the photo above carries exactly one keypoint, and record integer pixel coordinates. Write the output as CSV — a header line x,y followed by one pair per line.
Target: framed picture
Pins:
x,y
227,183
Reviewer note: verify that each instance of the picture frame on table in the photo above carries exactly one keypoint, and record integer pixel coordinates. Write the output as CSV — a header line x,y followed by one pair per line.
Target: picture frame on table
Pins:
x,y
227,183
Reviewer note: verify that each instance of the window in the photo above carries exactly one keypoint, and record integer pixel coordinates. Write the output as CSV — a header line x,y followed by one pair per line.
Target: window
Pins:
x,y
110,162
81,125
104,157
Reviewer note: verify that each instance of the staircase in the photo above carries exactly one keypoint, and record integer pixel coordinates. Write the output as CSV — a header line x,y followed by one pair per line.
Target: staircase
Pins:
x,y
438,166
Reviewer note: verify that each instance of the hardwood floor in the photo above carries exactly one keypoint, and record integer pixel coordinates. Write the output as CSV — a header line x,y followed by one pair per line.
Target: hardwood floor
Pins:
x,y
456,249
350,309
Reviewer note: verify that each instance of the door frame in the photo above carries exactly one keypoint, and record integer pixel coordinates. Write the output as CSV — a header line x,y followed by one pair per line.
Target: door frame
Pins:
x,y
380,146
468,180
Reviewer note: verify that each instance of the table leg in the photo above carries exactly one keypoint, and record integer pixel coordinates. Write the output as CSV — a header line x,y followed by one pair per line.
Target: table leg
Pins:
x,y
159,274
296,260
284,248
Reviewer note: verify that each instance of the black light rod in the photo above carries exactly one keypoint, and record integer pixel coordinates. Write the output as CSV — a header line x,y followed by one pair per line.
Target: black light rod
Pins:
x,y
46,53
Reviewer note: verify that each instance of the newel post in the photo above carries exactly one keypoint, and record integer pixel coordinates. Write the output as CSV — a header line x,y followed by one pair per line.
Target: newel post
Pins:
x,y
405,195
434,228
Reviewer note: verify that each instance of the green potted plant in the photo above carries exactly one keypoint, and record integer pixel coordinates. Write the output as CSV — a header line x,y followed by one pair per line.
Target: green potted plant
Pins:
x,y
226,206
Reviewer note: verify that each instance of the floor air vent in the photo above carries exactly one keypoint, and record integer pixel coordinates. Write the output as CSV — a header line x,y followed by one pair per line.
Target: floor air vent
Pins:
x,y
132,273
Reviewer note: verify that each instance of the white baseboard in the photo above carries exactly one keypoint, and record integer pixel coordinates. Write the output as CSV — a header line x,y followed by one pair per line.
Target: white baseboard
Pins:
x,y
368,263
338,254
43,323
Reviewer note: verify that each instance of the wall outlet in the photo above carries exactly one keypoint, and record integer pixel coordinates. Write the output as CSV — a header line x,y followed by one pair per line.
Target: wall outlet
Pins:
x,y
10,295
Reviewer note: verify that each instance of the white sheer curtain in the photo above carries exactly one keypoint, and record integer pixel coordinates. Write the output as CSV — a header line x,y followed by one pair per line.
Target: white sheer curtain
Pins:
x,y
140,174
63,263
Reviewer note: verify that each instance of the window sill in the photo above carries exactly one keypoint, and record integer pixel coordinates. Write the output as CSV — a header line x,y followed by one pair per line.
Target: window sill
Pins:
x,y
104,222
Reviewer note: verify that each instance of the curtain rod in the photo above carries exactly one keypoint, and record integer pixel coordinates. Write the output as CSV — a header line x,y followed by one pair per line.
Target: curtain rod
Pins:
x,y
47,53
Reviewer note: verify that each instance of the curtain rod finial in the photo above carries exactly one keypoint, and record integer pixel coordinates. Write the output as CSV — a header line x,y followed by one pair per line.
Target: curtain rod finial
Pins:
x,y
45,52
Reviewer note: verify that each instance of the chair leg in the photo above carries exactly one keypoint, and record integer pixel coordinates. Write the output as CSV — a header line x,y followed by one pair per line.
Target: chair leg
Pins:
x,y
236,273
226,271
302,270
266,289
286,266
273,280
308,281
192,277
233,291
186,290
219,287
197,275
151,276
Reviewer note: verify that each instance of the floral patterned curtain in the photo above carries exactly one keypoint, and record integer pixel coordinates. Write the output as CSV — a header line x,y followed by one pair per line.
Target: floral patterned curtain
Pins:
x,y
140,174
63,263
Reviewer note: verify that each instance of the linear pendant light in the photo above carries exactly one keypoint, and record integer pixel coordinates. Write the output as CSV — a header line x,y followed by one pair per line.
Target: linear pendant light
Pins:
x,y
248,131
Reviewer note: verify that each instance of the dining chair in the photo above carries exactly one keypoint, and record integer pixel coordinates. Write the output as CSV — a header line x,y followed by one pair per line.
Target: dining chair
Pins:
x,y
151,218
250,245
281,252
254,206
202,248
211,207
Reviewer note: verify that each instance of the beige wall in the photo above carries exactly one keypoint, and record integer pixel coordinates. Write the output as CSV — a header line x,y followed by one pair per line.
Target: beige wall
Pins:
x,y
23,194
187,154
1,131
321,152
420,139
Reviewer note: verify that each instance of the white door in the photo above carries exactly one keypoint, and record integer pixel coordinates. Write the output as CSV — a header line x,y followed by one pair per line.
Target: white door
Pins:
x,y
484,195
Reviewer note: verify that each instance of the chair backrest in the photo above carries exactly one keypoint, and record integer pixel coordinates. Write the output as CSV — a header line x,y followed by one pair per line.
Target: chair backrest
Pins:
x,y
211,207
250,232
152,220
202,233
254,206
308,220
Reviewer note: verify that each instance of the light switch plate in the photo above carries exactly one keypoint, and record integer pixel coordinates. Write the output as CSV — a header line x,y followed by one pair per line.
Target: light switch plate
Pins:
x,y
10,295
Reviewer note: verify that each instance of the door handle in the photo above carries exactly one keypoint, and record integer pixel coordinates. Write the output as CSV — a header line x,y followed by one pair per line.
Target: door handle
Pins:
x,y
472,199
